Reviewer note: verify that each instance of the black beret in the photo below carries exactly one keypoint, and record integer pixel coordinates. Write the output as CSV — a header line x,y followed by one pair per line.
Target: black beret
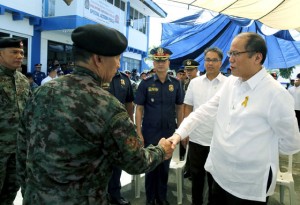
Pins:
x,y
298,75
160,53
99,39
11,43
38,65
190,63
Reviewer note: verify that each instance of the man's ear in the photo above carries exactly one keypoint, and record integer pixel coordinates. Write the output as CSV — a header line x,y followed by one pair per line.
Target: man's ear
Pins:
x,y
96,59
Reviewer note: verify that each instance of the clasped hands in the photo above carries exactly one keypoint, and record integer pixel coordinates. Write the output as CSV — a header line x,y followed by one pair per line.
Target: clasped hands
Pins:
x,y
169,145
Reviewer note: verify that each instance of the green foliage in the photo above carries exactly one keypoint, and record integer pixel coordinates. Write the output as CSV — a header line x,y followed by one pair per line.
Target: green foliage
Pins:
x,y
286,72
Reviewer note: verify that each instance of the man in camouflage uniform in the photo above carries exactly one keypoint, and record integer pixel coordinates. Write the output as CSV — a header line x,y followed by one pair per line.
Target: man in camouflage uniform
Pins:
x,y
121,88
73,131
14,91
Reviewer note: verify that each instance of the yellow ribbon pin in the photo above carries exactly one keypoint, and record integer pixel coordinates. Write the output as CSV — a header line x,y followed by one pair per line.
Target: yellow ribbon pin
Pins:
x,y
245,101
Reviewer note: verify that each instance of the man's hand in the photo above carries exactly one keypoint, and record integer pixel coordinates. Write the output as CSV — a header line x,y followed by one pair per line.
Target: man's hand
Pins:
x,y
174,139
167,147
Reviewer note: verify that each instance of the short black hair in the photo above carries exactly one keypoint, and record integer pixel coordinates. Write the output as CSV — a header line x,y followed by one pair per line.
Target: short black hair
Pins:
x,y
255,43
214,49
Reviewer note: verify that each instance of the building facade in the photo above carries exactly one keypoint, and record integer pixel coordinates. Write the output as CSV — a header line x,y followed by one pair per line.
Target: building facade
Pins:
x,y
46,26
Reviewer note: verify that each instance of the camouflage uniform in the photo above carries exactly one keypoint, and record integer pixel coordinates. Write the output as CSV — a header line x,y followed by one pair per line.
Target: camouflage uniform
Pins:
x,y
14,91
72,147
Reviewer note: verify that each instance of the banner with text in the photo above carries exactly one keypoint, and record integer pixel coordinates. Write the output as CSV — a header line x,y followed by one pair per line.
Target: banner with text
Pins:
x,y
105,13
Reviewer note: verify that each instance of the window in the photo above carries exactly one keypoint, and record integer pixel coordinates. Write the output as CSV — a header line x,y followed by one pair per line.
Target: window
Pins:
x,y
130,63
139,20
118,3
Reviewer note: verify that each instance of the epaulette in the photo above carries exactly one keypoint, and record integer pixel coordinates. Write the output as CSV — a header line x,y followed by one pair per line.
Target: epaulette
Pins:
x,y
148,78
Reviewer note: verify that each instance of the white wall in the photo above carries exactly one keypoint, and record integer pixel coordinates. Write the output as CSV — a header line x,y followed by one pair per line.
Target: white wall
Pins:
x,y
23,27
33,7
132,55
137,40
62,9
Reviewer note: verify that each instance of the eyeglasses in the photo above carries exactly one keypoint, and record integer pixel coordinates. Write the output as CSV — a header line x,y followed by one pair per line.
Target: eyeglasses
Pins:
x,y
208,60
236,53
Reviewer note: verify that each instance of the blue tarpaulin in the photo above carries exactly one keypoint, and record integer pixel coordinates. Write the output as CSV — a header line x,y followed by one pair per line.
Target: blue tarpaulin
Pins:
x,y
188,39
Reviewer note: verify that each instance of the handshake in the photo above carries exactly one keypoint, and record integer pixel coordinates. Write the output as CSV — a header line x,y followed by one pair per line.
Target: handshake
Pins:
x,y
169,145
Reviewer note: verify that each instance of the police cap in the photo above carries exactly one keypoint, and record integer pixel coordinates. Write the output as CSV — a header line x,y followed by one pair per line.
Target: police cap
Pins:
x,y
52,68
160,54
38,65
180,71
99,39
190,64
11,43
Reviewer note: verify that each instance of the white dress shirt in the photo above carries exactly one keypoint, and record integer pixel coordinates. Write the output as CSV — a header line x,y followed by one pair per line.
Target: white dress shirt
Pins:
x,y
47,79
199,91
295,92
255,121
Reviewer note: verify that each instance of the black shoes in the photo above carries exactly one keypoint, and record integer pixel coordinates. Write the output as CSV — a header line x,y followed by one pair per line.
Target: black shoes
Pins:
x,y
120,201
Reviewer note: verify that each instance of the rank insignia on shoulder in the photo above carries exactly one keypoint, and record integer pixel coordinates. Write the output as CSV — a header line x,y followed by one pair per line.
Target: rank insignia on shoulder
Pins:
x,y
122,82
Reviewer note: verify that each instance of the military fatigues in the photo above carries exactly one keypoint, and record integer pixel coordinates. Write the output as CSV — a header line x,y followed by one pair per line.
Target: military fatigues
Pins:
x,y
159,100
121,88
38,76
72,147
14,91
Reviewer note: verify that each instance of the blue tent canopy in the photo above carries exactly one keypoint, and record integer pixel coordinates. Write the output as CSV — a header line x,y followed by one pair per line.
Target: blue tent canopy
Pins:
x,y
188,39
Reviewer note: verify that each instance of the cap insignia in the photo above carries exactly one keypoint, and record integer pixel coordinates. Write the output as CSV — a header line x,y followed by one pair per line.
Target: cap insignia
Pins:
x,y
160,51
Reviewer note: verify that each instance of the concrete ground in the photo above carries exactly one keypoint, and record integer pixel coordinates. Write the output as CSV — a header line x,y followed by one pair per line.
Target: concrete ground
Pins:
x,y
128,188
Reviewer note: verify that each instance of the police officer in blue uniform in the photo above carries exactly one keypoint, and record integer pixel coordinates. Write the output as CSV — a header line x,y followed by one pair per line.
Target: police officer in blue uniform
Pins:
x,y
158,99
121,88
38,75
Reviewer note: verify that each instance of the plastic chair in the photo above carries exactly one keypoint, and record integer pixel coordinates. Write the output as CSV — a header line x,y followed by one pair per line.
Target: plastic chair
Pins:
x,y
178,166
285,179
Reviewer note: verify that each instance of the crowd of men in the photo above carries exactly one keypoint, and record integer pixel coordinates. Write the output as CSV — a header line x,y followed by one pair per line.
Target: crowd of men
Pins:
x,y
67,140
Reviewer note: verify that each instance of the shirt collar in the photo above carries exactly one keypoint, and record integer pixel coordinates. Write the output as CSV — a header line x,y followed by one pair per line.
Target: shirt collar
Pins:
x,y
7,71
254,80
84,71
155,77
117,73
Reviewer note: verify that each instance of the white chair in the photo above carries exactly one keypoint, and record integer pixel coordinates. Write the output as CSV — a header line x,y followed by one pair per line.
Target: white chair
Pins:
x,y
285,179
178,166
137,185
